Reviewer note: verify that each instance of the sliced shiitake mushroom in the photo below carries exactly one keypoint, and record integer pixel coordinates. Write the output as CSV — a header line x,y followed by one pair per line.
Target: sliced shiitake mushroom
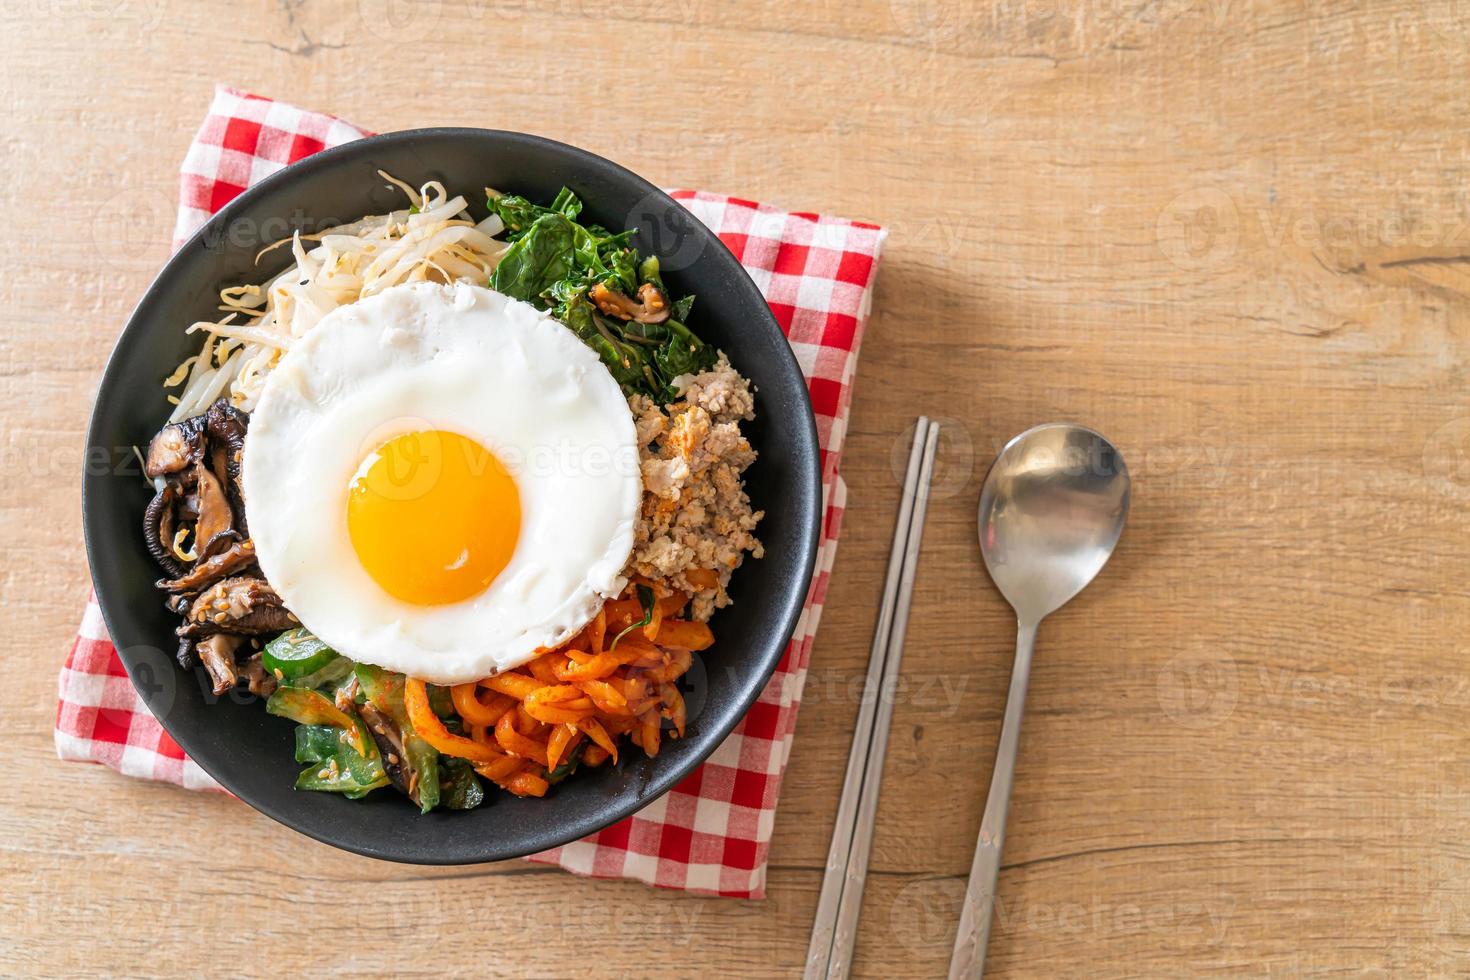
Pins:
x,y
217,653
238,557
242,604
216,516
651,306
175,448
159,523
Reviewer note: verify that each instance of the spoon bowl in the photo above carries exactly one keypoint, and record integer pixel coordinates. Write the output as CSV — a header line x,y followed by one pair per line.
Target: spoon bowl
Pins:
x,y
1051,513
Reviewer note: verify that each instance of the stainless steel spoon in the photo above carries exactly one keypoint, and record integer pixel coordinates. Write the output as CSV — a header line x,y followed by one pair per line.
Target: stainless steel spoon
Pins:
x,y
1051,512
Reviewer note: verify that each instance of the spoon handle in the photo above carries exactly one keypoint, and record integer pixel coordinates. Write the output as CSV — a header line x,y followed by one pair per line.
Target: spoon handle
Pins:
x,y
968,960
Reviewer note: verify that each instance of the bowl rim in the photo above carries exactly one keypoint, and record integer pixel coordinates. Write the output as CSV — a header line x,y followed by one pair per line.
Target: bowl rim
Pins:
x,y
786,614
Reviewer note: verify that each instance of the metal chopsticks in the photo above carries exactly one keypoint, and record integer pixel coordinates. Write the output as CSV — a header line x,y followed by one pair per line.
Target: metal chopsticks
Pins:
x,y
834,931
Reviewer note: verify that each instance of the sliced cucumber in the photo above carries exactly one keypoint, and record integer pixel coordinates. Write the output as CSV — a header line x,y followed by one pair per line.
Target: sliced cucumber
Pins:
x,y
310,708
296,653
326,680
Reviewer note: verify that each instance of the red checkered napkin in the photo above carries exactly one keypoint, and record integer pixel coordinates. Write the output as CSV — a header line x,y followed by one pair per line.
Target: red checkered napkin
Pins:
x,y
711,833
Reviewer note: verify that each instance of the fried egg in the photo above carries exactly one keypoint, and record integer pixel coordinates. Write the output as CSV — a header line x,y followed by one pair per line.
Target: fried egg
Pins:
x,y
442,481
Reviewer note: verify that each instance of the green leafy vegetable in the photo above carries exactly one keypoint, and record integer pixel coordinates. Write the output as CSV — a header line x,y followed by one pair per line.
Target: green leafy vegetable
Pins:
x,y
336,780
459,787
519,214
536,260
384,688
320,743
648,272
334,765
646,600
306,708
682,353
554,261
567,203
442,703
425,758
328,678
316,743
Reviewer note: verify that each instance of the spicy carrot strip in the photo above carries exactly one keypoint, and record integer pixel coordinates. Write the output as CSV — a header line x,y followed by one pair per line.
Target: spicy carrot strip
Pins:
x,y
558,661
622,613
471,708
686,634
603,691
428,726
609,695
655,619
593,669
602,665
619,725
674,708
527,783
658,658
484,734
500,704
636,643
594,730
541,670
648,727
678,663
576,738
633,688
563,739
501,768
507,765
514,684
597,630
616,696
554,694
516,743
558,705
534,716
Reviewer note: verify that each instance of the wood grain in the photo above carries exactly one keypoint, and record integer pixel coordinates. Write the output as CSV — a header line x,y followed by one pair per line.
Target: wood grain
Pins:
x,y
1234,236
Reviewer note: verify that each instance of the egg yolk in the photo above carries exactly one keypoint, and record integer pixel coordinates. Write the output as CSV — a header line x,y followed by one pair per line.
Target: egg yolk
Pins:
x,y
433,517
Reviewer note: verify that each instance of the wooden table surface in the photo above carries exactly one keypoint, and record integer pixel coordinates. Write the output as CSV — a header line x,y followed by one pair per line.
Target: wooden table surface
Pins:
x,y
1233,236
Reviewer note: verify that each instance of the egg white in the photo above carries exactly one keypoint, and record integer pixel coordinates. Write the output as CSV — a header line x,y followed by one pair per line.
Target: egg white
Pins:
x,y
461,358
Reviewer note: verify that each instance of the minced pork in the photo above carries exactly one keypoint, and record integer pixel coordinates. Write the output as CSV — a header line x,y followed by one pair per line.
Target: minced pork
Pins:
x,y
695,511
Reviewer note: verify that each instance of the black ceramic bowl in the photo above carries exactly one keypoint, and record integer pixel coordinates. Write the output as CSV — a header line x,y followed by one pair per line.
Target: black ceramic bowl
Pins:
x,y
232,737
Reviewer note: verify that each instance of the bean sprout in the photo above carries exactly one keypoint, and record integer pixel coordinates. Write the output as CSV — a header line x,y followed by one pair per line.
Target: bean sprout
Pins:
x,y
435,239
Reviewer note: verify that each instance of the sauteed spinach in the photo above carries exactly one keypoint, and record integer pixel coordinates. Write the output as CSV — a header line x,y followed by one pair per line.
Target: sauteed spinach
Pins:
x,y
593,280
